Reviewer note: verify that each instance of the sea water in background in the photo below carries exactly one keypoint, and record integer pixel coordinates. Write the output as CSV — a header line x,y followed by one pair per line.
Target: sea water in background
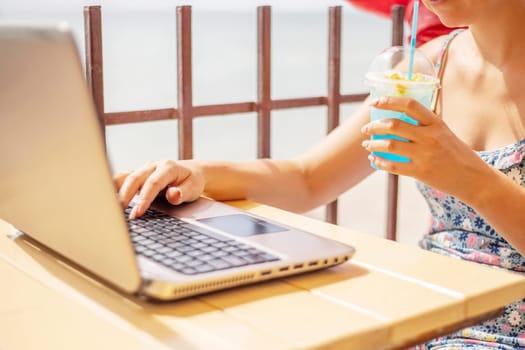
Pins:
x,y
140,73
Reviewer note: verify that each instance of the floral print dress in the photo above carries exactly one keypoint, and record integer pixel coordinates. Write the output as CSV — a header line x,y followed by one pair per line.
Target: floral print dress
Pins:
x,y
459,231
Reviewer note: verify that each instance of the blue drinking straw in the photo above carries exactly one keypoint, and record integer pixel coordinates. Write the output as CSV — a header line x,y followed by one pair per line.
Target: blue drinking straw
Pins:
x,y
413,39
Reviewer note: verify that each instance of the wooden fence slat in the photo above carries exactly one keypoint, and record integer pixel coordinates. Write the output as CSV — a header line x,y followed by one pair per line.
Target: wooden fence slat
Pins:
x,y
140,116
334,86
353,98
398,15
94,67
263,80
184,82
229,108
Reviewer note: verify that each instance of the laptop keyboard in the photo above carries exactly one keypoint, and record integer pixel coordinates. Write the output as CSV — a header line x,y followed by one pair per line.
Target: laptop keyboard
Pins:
x,y
188,248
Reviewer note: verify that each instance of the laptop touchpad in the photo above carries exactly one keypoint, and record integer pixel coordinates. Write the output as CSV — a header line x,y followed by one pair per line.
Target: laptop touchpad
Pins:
x,y
241,225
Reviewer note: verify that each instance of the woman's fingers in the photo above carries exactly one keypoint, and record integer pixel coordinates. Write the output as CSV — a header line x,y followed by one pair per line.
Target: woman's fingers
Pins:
x,y
392,146
181,181
157,181
398,147
409,106
393,127
393,167
175,195
119,179
133,183
188,189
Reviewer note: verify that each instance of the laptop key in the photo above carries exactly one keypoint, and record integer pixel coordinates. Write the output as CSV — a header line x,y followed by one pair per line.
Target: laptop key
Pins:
x,y
199,245
209,249
219,264
243,246
189,271
206,257
165,250
168,261
158,257
204,268
174,254
139,248
194,263
230,249
176,245
138,229
147,233
137,238
184,258
240,253
178,266
194,253
184,249
203,238
149,252
270,257
219,254
154,246
254,258
234,261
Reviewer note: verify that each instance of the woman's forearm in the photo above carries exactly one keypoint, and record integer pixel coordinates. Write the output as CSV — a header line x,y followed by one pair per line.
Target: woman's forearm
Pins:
x,y
501,202
280,183
314,178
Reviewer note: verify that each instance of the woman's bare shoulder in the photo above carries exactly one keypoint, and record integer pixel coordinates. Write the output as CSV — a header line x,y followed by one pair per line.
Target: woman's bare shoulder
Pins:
x,y
433,47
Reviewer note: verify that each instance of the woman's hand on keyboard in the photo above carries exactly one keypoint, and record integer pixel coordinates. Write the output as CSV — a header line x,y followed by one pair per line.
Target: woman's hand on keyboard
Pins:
x,y
179,181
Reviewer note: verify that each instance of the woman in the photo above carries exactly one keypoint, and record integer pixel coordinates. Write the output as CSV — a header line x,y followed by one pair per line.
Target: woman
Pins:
x,y
467,156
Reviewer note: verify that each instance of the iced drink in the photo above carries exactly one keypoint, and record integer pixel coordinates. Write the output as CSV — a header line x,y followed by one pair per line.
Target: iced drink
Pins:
x,y
388,77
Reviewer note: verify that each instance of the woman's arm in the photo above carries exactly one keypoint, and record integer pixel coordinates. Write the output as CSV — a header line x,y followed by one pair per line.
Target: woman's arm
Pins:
x,y
441,160
312,179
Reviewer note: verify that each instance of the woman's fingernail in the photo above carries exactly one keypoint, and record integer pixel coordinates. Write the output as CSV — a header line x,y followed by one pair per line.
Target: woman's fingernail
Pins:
x,y
374,102
137,210
174,195
364,129
133,213
181,196
365,143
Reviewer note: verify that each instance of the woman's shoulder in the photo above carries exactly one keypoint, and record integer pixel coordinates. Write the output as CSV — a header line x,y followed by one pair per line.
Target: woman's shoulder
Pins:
x,y
434,48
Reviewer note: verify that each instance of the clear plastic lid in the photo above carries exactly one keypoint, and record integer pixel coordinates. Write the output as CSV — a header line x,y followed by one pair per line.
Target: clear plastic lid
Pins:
x,y
393,63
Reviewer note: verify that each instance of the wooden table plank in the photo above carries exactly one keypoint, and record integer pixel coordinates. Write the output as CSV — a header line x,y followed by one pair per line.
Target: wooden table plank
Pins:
x,y
49,320
405,305
304,320
414,264
185,324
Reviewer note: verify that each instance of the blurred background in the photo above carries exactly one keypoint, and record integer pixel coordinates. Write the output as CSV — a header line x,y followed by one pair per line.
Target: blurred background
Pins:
x,y
140,73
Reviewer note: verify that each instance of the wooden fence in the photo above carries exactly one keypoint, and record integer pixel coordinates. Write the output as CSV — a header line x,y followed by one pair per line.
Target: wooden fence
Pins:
x,y
186,111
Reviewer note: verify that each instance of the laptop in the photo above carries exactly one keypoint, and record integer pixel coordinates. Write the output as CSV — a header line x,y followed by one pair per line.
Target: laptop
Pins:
x,y
56,188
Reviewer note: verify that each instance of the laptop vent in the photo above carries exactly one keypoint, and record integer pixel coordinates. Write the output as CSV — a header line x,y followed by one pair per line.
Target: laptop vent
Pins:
x,y
198,288
202,287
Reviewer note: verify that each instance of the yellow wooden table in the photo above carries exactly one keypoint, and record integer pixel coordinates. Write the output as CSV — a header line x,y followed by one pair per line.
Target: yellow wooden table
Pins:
x,y
388,296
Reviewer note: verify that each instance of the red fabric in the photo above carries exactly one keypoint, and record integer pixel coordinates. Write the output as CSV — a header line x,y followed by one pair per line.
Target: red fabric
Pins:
x,y
429,26
381,7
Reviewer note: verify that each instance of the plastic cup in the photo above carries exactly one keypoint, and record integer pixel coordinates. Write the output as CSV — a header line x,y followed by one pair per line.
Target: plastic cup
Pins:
x,y
388,76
